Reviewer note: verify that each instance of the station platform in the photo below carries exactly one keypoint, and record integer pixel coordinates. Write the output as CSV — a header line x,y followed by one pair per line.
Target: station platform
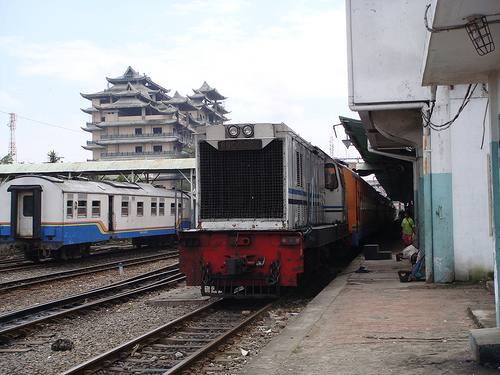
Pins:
x,y
372,323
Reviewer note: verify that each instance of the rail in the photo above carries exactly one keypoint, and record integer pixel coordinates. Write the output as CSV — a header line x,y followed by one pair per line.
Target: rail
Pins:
x,y
188,339
57,276
18,322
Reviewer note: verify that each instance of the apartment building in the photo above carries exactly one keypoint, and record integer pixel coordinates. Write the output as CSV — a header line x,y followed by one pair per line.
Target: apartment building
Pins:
x,y
135,118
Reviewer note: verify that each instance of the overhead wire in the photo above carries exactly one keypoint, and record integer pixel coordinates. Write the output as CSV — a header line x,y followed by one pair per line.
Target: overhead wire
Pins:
x,y
447,124
45,123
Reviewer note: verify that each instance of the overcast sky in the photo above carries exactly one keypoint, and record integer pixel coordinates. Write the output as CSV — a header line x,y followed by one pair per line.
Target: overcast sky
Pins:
x,y
275,60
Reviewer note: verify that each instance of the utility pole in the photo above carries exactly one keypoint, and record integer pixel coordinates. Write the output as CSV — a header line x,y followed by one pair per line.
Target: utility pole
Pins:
x,y
12,143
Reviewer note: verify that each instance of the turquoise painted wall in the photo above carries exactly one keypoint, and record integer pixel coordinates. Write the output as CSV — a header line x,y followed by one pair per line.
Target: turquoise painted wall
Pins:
x,y
442,227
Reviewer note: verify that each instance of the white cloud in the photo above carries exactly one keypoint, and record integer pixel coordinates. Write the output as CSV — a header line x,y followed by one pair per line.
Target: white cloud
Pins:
x,y
219,6
8,102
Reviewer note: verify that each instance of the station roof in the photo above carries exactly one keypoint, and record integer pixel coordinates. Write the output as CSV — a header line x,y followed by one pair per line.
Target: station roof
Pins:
x,y
125,167
394,175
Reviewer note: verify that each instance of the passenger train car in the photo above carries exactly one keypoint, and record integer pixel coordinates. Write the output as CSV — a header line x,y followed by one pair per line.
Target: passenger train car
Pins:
x,y
52,217
270,206
367,209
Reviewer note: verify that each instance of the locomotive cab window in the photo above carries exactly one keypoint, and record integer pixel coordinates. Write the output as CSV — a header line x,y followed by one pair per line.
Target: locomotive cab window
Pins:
x,y
96,208
331,180
28,205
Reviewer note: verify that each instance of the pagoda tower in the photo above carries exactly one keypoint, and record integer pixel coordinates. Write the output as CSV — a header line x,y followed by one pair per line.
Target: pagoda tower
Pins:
x,y
135,118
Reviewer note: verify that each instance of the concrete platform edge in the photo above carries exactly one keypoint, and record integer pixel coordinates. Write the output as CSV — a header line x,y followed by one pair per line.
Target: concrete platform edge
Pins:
x,y
276,353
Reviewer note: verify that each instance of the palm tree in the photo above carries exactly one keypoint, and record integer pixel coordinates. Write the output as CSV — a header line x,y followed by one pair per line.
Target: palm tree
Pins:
x,y
53,157
7,159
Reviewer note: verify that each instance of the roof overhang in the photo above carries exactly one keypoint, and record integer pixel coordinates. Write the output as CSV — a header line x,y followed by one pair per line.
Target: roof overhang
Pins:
x,y
392,167
451,58
125,167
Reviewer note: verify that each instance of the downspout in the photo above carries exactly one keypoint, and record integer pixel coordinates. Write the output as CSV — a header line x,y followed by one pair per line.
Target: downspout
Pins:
x,y
427,207
494,86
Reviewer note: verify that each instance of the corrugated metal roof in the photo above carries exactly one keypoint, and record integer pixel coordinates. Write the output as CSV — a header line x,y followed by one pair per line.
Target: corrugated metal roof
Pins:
x,y
124,166
94,187
395,176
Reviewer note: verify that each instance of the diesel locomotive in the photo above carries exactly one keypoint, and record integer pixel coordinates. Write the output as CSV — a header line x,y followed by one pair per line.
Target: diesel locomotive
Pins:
x,y
271,206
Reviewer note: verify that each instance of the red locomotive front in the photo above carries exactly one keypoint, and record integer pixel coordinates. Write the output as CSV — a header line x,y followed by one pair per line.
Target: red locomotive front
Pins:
x,y
241,263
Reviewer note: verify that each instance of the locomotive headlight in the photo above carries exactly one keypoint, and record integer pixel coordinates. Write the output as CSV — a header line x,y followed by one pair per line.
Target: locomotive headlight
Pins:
x,y
233,131
290,240
247,131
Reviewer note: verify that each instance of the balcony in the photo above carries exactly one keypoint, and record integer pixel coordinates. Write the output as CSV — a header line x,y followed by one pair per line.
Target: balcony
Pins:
x,y
140,138
132,120
138,155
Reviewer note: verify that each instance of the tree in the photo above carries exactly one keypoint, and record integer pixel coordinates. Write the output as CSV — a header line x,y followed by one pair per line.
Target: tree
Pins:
x,y
53,157
187,152
7,159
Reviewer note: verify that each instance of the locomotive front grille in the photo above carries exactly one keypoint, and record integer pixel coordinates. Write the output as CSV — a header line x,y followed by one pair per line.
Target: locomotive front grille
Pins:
x,y
241,184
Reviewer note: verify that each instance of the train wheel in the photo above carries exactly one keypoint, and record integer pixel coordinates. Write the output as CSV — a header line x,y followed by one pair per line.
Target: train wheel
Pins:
x,y
85,250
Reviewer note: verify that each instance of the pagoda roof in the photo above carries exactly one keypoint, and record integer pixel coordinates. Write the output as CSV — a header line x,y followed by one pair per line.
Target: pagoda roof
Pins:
x,y
166,108
193,120
123,102
132,75
211,93
184,104
220,108
197,98
126,89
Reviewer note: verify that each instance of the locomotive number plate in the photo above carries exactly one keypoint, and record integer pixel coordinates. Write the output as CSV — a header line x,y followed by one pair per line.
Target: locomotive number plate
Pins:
x,y
242,144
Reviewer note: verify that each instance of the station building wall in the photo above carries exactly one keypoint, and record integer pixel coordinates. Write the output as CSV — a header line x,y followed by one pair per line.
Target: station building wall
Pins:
x,y
461,200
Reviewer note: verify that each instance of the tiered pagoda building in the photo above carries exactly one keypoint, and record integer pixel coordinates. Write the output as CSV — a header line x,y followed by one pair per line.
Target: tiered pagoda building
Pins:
x,y
135,118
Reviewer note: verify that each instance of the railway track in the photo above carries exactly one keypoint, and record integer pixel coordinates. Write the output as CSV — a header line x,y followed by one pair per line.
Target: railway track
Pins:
x,y
177,345
15,263
57,276
19,322
19,263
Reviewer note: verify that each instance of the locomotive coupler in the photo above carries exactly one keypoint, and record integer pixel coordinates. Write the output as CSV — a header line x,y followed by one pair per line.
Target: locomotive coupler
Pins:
x,y
235,266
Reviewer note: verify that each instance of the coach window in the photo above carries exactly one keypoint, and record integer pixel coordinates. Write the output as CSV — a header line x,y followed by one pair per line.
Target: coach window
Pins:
x,y
161,208
69,208
153,209
331,181
140,208
96,208
82,209
28,204
124,206
172,208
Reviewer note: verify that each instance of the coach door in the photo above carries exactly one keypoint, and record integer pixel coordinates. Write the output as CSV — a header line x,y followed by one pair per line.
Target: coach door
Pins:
x,y
111,213
26,211
25,214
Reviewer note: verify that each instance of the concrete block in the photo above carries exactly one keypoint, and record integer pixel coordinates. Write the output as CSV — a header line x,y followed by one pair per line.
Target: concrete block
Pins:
x,y
485,345
483,315
371,252
384,255
179,297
